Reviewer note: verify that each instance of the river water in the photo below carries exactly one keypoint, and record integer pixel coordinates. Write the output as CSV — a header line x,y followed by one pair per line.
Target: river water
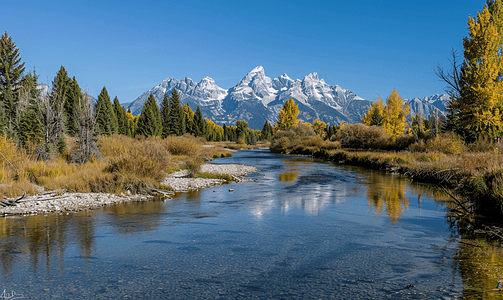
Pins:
x,y
303,229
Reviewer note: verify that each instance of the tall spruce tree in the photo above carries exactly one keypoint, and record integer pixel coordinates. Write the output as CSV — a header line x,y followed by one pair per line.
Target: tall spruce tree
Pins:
x,y
199,123
267,132
11,77
72,101
176,115
165,115
29,127
103,111
120,112
149,122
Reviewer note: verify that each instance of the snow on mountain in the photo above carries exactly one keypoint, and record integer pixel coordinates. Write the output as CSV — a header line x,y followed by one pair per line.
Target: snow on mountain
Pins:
x,y
427,105
257,98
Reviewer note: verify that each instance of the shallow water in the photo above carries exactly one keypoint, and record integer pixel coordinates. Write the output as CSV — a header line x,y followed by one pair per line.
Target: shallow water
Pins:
x,y
303,230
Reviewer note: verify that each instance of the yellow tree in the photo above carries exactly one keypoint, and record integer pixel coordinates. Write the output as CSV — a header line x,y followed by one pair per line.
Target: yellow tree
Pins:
x,y
395,114
481,88
320,128
288,115
214,132
375,114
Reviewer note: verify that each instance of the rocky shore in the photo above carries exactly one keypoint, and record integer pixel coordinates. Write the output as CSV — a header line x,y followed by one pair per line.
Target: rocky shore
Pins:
x,y
61,202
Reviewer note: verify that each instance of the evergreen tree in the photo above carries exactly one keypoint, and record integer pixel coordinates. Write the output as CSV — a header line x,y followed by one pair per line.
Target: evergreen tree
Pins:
x,y
122,122
29,126
11,76
189,119
267,132
149,122
103,114
165,116
226,133
199,123
332,130
288,115
72,100
176,115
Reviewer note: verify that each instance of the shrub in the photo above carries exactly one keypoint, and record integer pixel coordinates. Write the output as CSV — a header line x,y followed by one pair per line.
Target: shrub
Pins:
x,y
361,136
280,145
182,145
448,143
483,144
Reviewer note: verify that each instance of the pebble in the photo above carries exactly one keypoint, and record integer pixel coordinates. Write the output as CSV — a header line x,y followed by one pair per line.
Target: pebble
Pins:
x,y
74,202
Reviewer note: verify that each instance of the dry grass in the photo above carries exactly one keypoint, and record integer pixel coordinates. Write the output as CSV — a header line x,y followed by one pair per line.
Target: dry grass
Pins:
x,y
133,164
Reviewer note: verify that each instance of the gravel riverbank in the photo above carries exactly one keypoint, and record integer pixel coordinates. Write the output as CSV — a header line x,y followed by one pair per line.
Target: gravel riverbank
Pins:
x,y
51,202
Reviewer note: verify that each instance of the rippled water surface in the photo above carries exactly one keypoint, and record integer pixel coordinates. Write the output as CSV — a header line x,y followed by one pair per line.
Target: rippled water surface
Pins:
x,y
302,230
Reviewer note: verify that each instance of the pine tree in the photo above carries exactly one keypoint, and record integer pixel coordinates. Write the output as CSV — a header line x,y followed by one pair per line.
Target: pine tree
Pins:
x,y
104,114
29,127
189,119
267,132
288,115
72,100
11,76
120,112
395,114
199,123
375,114
165,116
149,122
176,115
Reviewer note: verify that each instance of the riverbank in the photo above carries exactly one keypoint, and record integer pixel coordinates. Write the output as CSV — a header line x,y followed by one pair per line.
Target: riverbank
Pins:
x,y
64,202
475,179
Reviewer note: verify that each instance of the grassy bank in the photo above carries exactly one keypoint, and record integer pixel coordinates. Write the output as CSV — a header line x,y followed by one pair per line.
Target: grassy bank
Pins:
x,y
473,173
128,164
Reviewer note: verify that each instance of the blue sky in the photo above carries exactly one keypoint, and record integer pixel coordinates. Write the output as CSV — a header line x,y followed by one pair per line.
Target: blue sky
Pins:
x,y
368,47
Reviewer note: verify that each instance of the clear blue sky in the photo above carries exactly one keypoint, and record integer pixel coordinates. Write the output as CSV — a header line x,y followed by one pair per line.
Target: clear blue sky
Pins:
x,y
366,46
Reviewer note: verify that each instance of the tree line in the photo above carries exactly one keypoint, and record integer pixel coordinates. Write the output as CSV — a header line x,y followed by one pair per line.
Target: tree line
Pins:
x,y
42,122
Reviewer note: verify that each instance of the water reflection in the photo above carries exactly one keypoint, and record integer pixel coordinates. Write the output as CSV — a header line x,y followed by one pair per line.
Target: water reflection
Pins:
x,y
388,192
136,217
41,237
288,176
283,202
481,267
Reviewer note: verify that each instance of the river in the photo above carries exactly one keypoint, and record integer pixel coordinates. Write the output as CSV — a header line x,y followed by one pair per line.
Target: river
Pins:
x,y
302,229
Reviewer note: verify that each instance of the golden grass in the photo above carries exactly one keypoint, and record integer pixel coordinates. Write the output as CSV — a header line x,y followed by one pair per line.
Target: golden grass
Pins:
x,y
129,164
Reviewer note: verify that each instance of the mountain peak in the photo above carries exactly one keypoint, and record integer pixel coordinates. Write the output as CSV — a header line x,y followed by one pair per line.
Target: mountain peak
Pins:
x,y
311,77
257,69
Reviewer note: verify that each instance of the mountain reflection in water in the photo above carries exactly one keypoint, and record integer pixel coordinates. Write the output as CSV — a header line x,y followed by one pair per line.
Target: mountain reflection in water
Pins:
x,y
304,229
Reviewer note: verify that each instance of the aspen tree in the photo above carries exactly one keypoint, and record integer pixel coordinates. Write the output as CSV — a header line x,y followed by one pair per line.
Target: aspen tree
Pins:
x,y
288,115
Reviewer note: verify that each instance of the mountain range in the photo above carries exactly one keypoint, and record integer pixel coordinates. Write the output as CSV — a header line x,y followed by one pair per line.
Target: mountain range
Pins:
x,y
257,98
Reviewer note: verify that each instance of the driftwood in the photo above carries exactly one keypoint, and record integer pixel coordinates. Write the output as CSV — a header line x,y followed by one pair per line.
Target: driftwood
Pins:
x,y
162,192
12,202
46,196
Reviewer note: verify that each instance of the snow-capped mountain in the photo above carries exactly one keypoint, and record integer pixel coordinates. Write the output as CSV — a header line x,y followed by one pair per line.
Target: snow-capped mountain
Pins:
x,y
257,98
